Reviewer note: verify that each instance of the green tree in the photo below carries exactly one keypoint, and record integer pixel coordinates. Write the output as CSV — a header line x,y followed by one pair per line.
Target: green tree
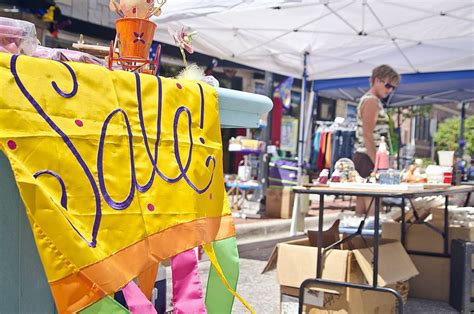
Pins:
x,y
447,134
405,113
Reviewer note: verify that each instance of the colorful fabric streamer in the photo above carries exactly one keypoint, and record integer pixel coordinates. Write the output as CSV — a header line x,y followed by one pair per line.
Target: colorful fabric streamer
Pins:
x,y
136,301
187,291
209,249
118,171
146,280
105,305
218,298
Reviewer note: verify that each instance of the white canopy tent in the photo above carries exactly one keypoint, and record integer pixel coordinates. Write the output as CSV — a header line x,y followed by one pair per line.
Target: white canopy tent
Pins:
x,y
327,39
343,38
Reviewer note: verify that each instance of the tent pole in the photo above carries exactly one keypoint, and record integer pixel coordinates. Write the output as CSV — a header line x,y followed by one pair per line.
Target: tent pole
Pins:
x,y
462,142
399,112
298,201
309,119
266,136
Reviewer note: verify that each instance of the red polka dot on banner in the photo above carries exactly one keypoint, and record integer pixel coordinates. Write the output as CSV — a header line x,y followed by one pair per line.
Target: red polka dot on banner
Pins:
x,y
150,207
79,123
11,144
179,86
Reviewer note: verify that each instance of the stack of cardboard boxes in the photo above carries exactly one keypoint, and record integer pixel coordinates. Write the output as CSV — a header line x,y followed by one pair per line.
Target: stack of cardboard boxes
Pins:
x,y
295,262
427,277
434,279
279,201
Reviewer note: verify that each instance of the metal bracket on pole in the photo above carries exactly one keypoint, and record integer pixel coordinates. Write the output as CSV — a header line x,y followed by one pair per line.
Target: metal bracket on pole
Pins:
x,y
266,137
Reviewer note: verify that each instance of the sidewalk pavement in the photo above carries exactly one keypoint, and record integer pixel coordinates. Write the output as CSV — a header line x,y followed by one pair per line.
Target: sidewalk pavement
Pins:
x,y
262,229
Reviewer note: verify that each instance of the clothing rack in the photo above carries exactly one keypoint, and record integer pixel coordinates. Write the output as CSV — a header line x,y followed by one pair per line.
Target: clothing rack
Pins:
x,y
348,125
325,150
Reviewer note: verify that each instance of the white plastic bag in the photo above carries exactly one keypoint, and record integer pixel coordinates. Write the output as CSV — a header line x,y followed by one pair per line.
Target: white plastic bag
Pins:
x,y
17,37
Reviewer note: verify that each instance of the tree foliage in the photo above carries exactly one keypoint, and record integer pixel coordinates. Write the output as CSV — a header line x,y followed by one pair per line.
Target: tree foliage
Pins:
x,y
447,134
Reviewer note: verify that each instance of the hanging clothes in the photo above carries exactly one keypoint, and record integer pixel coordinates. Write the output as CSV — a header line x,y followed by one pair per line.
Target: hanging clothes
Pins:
x,y
316,146
331,143
327,152
322,149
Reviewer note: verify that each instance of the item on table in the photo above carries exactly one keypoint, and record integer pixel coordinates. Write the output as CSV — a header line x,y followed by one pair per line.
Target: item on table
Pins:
x,y
244,172
447,175
372,178
435,174
235,144
250,144
413,175
396,176
384,177
390,176
243,143
336,176
17,37
323,176
419,170
382,156
345,167
410,174
446,158
357,178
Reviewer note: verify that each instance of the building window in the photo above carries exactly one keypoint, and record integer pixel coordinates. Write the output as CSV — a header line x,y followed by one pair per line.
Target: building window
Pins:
x,y
422,128
259,88
326,109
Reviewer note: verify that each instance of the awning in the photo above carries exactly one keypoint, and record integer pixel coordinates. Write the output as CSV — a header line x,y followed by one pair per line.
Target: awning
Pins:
x,y
414,89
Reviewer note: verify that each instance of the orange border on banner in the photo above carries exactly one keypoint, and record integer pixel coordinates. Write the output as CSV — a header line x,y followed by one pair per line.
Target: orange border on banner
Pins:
x,y
103,278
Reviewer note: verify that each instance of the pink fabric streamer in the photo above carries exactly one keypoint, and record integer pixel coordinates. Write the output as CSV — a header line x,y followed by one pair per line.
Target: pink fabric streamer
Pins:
x,y
136,301
187,289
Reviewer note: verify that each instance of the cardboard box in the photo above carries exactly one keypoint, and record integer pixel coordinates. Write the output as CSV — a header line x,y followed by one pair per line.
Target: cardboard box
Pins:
x,y
295,262
322,302
421,238
433,281
279,202
315,301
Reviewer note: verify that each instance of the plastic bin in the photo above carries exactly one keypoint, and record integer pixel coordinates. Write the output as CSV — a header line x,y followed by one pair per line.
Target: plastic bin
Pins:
x,y
283,173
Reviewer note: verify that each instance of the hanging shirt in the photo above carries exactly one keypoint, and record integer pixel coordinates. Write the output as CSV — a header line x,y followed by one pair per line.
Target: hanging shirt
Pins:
x,y
322,147
327,152
316,144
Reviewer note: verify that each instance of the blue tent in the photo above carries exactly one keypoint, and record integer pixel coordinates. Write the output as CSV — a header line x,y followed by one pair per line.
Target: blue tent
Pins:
x,y
414,89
